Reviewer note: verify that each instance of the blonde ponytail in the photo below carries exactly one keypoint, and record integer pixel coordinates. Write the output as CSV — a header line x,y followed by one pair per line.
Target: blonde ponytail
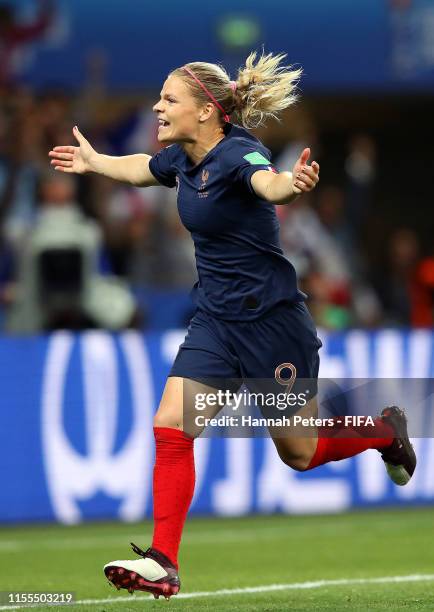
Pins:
x,y
262,89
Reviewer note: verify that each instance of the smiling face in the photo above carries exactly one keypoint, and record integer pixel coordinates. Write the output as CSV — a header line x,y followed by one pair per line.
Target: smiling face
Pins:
x,y
178,113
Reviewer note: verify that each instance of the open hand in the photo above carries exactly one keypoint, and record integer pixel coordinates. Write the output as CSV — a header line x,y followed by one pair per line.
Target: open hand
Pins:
x,y
305,177
73,159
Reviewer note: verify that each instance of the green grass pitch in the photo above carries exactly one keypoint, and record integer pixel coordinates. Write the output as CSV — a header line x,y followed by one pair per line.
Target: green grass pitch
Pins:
x,y
358,549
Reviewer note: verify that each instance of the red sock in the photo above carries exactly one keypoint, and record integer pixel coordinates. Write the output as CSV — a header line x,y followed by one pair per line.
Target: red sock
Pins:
x,y
173,488
349,441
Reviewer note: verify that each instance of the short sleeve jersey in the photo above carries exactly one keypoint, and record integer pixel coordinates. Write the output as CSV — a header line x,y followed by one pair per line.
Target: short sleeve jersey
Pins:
x,y
241,267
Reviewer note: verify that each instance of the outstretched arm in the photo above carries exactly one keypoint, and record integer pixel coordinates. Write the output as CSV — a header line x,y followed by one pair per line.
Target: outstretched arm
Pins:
x,y
284,187
132,169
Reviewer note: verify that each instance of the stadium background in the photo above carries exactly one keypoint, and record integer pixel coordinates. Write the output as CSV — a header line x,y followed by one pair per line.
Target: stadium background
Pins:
x,y
76,405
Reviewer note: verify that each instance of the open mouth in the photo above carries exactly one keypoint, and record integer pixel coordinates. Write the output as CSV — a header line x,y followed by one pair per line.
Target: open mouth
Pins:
x,y
162,123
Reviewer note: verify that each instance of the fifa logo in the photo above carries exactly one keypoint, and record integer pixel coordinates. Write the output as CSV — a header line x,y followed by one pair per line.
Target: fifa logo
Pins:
x,y
93,446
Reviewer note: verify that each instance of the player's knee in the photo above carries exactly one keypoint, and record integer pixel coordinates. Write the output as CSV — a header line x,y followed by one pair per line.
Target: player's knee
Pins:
x,y
298,459
167,420
299,463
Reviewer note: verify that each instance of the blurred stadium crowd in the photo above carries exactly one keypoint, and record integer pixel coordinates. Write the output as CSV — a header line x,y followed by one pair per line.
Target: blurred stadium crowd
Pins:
x,y
86,252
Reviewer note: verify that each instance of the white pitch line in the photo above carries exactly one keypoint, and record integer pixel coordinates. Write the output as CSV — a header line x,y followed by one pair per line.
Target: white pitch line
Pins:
x,y
294,586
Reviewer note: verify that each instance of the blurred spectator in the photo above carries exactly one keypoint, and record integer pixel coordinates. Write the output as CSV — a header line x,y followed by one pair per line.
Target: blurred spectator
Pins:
x,y
423,311
14,34
147,240
58,283
19,149
304,133
328,239
360,169
320,262
143,226
406,284
320,243
400,4
332,211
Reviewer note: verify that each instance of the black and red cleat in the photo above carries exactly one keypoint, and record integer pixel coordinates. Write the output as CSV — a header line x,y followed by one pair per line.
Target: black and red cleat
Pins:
x,y
399,457
153,573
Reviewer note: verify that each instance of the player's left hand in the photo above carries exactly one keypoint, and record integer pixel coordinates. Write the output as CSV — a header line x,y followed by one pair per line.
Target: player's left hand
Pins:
x,y
305,177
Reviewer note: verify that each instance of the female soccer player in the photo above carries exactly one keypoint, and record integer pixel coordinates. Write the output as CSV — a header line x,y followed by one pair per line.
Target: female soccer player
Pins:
x,y
251,318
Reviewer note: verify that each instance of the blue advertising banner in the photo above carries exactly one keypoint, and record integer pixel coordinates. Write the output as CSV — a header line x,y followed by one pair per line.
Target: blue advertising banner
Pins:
x,y
76,438
364,44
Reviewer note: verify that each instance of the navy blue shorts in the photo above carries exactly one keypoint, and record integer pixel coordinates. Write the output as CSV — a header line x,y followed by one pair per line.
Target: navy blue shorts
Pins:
x,y
218,350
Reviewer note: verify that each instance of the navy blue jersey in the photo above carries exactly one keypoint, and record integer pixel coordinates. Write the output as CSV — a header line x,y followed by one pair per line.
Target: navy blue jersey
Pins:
x,y
241,267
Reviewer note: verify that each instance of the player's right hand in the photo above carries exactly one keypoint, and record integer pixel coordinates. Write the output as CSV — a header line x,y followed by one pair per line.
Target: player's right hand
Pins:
x,y
73,159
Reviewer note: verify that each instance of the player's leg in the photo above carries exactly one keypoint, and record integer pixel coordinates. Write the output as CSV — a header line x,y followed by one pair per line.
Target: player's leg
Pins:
x,y
174,473
296,445
286,338
279,353
173,487
388,434
304,448
201,358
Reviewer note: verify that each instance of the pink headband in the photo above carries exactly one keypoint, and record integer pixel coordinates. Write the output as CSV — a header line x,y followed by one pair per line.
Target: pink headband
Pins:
x,y
209,94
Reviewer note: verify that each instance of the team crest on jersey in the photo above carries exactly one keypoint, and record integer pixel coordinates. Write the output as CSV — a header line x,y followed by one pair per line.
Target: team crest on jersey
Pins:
x,y
205,177
201,191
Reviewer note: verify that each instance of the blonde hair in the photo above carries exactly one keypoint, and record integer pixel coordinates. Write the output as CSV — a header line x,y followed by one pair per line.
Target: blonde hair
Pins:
x,y
263,87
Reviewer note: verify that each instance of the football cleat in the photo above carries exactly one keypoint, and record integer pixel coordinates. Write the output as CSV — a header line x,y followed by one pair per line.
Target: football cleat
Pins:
x,y
399,457
153,573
